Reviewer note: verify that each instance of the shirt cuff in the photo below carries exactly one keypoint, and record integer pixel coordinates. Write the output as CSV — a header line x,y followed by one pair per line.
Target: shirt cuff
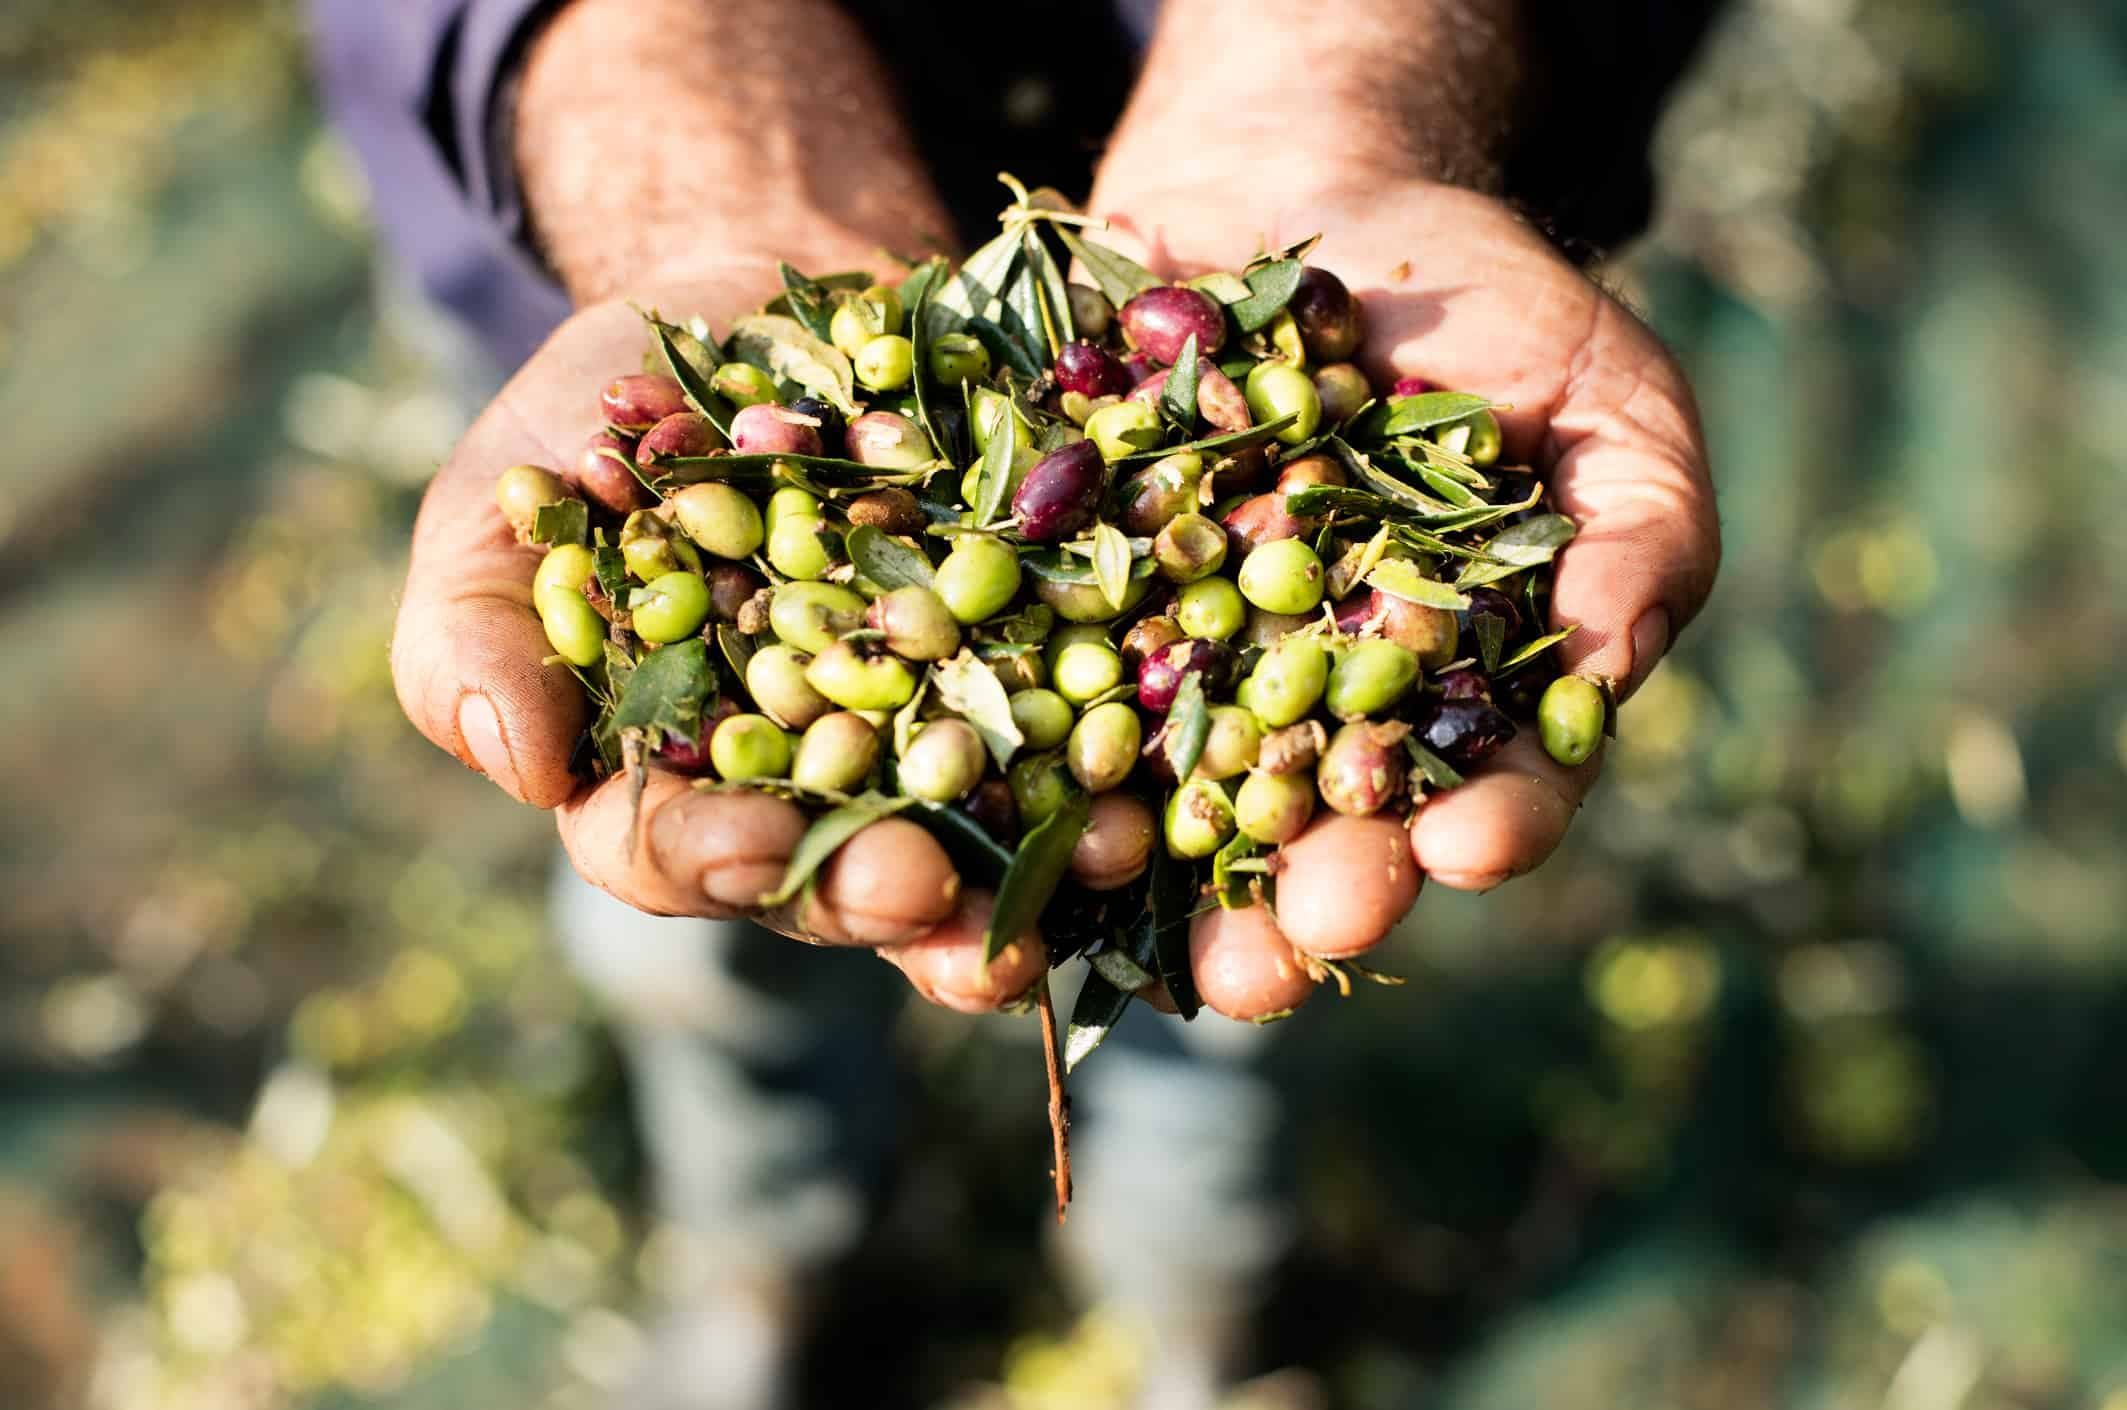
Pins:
x,y
477,76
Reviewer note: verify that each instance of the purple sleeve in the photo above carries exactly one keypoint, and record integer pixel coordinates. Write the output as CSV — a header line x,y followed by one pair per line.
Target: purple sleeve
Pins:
x,y
420,88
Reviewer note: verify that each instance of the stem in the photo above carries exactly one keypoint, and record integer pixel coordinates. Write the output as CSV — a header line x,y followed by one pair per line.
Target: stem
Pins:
x,y
1059,1103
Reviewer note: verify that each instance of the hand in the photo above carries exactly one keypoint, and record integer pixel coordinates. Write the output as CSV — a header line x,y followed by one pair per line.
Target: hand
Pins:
x,y
1459,290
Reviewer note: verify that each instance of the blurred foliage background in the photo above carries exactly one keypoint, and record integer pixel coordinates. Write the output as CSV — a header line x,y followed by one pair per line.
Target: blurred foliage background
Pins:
x,y
1796,1080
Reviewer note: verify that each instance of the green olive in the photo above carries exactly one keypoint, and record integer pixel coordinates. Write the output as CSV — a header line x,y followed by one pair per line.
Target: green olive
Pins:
x,y
1570,718
943,762
1039,787
742,384
522,490
957,358
1231,745
1125,428
748,747
1085,602
1023,459
857,320
885,362
1368,676
1273,808
803,548
1043,717
1210,608
1103,746
1288,681
568,565
790,502
836,753
1199,819
720,518
1085,669
1476,435
1190,546
857,679
987,410
1283,575
978,578
775,678
887,300
574,629
917,623
1278,389
813,616
670,608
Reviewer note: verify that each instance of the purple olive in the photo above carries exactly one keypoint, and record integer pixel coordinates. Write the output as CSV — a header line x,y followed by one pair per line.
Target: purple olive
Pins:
x,y
1464,732
991,805
1410,387
1491,602
1519,693
640,400
831,424
1354,612
1160,675
1061,493
1147,637
1466,684
676,754
681,433
891,510
768,429
731,587
602,474
1328,315
1139,367
1363,769
1243,470
1264,519
1159,321
1218,400
1090,371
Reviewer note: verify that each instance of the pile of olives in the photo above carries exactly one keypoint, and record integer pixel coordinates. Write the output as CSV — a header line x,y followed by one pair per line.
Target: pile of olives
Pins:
x,y
1115,586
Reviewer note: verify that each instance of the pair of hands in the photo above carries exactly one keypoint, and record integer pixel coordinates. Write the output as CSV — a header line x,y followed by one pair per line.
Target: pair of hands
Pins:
x,y
1455,287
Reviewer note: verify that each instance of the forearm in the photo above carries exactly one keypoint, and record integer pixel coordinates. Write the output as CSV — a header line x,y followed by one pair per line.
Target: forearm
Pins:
x,y
1427,88
659,141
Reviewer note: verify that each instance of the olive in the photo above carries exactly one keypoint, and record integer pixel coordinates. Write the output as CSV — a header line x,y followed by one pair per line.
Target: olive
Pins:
x,y
1272,808
749,747
640,400
1019,669
1570,719
573,627
1465,684
1076,407
1043,717
991,409
791,502
1039,786
887,440
1116,844
858,678
917,623
720,518
803,549
813,616
1410,387
1146,636
1159,321
1090,310
1476,435
775,678
1103,745
1278,389
767,429
603,476
1023,460
566,566
1190,548
1292,749
1491,602
1363,769
1061,494
1151,498
978,578
1231,745
691,756
1267,629
743,384
1262,519
1520,693
1368,676
1282,576
651,548
1330,323
1288,681
1084,602
1428,632
1308,471
958,357
1237,473
1354,612
876,312
731,587
1218,400
1162,673
1124,428
825,419
890,511
836,753
1342,388
1464,732
1090,371
886,362
1086,669
992,806
943,762
1209,607
522,490
682,433
669,608
1199,819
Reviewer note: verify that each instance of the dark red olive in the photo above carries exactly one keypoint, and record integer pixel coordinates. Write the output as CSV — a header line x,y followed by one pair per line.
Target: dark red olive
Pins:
x,y
1354,612
1139,367
1491,602
1061,493
676,754
1410,387
1464,732
1091,371
602,474
1159,321
1263,519
1218,400
1146,636
991,806
1310,470
731,587
681,433
1465,684
640,400
1160,675
1328,315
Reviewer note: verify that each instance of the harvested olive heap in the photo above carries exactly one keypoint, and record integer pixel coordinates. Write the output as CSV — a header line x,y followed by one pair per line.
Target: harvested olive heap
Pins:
x,y
1011,556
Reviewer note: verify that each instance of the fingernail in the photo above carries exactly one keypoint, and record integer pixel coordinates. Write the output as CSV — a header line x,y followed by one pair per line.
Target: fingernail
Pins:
x,y
481,729
1650,638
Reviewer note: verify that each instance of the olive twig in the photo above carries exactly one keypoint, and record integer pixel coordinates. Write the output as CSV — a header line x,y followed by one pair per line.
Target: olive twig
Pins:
x,y
1059,1101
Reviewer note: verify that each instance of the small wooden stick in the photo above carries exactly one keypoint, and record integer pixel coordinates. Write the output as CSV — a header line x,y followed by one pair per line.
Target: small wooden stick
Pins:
x,y
1059,1103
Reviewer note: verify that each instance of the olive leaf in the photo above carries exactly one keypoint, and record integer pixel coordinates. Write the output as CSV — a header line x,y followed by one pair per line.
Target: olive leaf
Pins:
x,y
975,854
1172,897
1429,409
1533,650
1111,563
1399,577
910,715
737,648
1525,545
784,349
692,364
916,292
1491,638
1118,968
1233,893
563,521
754,471
1100,1006
885,559
1224,441
1228,289
974,292
805,299
1178,397
1436,771
993,477
1119,277
1449,487
1057,565
971,690
667,692
1055,300
1270,288
825,837
1188,726
1021,319
1038,865
610,567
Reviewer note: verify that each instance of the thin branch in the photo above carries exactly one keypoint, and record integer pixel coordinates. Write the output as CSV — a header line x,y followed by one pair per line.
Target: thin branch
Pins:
x,y
1059,1103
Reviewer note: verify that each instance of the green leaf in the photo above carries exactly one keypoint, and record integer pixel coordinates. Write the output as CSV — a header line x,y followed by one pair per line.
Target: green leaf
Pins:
x,y
1055,565
910,715
1435,770
916,292
1224,441
1532,650
886,560
1119,277
563,521
1111,563
1021,320
1100,1006
1231,887
1044,855
691,363
1171,897
975,290
1119,969
806,299
1057,325
737,649
1399,577
1491,637
1429,409
611,570
667,692
974,853
1524,545
994,477
1178,396
1188,725
758,471
826,836
1228,289
1449,487
1269,290
783,348
971,690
